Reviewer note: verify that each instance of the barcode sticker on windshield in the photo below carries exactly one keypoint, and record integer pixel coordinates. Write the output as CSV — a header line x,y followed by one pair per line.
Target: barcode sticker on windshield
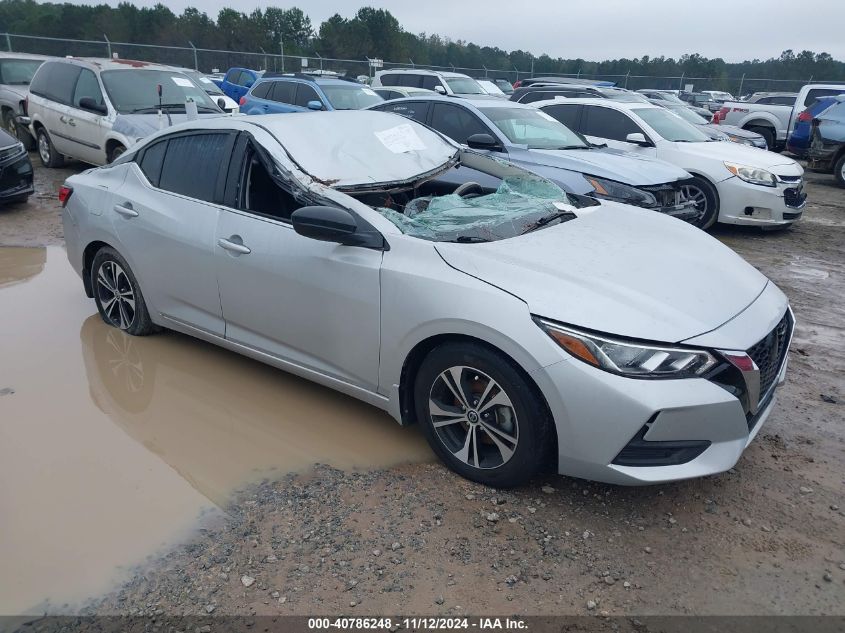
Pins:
x,y
400,139
182,81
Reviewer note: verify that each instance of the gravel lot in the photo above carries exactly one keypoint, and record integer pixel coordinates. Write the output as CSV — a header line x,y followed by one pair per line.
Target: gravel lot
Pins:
x,y
768,537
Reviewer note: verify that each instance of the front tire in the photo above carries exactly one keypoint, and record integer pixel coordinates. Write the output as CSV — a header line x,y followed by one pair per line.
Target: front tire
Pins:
x,y
46,152
117,294
839,171
481,415
767,133
706,200
116,153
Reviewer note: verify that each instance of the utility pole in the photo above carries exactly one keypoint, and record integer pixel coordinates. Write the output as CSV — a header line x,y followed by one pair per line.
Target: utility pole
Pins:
x,y
282,51
196,62
108,44
741,81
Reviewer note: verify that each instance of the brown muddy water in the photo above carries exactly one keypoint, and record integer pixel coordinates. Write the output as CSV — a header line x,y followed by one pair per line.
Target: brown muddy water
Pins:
x,y
113,447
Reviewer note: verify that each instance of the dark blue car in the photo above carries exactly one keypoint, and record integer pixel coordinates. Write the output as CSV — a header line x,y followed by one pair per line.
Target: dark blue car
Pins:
x,y
238,81
799,140
300,93
827,140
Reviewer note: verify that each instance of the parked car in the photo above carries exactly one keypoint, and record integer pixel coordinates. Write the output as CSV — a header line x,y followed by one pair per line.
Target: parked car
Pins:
x,y
731,183
93,110
238,81
15,170
772,98
827,147
543,91
669,96
773,121
719,95
701,100
529,81
799,140
504,85
301,93
531,139
445,83
400,92
16,71
491,88
512,326
223,101
718,132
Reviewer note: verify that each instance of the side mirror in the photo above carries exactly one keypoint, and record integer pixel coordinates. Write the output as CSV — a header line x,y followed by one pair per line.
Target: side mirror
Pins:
x,y
87,103
440,89
221,103
315,105
638,138
484,141
331,224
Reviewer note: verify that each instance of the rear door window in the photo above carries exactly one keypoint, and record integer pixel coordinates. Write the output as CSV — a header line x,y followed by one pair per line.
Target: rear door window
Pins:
x,y
260,91
151,161
283,91
389,80
456,122
191,164
607,123
56,81
815,93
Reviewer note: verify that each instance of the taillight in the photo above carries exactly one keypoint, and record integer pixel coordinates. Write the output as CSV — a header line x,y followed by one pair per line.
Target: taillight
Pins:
x,y
517,83
805,116
242,100
721,114
64,194
25,106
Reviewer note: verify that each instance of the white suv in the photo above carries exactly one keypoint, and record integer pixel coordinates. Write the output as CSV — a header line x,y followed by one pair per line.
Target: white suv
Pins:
x,y
444,83
94,109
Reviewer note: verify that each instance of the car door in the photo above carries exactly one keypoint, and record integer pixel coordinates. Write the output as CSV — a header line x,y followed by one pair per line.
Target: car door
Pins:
x,y
165,216
457,122
314,304
85,133
282,97
56,87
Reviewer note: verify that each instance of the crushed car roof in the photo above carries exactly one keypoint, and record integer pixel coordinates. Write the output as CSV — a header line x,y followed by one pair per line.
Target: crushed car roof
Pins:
x,y
358,147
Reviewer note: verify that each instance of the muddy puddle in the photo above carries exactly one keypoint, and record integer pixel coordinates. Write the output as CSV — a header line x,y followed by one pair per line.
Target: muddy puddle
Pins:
x,y
113,447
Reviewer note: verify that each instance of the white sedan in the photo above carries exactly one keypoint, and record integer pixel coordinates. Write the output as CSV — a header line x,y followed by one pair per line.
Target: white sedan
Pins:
x,y
732,183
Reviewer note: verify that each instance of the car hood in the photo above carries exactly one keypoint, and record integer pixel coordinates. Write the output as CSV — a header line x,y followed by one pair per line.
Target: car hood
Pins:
x,y
20,91
743,154
733,130
605,163
142,125
618,270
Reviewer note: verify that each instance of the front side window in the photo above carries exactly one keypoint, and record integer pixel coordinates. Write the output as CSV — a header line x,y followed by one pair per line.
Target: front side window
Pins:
x,y
88,87
568,114
351,97
608,123
456,123
389,79
261,193
135,91
306,94
533,128
191,165
18,72
670,127
429,82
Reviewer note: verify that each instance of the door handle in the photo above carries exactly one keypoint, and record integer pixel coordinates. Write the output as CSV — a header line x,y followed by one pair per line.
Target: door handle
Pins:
x,y
233,247
126,210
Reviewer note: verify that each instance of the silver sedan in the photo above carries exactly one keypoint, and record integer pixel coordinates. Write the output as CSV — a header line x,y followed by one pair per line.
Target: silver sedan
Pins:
x,y
523,328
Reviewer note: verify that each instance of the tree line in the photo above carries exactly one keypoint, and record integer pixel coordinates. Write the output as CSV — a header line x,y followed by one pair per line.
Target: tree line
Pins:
x,y
369,33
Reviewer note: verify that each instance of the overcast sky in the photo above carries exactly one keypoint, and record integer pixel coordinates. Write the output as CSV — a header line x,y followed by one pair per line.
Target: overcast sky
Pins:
x,y
596,30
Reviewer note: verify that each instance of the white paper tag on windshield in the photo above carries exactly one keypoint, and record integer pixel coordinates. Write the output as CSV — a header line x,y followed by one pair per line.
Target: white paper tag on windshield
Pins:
x,y
400,139
367,91
182,81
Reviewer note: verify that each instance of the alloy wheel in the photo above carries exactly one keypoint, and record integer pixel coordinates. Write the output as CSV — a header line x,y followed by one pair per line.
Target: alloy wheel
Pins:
x,y
473,417
699,199
44,148
116,295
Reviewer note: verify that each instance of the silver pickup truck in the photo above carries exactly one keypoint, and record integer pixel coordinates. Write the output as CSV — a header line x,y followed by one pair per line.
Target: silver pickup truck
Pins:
x,y
16,71
773,122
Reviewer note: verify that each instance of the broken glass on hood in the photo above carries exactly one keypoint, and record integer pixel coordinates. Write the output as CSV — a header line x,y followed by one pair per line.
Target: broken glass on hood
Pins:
x,y
515,207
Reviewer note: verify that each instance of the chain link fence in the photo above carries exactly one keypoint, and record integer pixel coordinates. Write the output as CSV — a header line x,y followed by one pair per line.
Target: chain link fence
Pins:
x,y
213,60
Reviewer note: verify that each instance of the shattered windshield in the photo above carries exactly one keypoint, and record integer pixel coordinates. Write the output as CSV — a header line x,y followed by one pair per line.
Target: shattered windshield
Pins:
x,y
519,205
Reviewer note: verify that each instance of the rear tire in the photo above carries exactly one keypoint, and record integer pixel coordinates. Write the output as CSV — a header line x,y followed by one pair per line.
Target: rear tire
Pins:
x,y
767,134
12,127
117,294
839,171
503,436
46,152
706,201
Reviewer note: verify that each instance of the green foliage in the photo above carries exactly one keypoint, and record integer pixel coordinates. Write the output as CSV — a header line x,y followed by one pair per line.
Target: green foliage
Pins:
x,y
369,33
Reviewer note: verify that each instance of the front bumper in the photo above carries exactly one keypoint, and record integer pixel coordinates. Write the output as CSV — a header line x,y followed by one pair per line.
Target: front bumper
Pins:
x,y
754,205
602,420
15,175
670,201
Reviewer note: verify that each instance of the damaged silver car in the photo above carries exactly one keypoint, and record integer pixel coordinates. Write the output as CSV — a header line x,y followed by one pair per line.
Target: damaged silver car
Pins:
x,y
522,327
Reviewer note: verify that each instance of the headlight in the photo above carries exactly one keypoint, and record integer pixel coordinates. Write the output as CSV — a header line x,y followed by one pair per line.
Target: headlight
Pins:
x,y
741,141
754,175
629,358
618,192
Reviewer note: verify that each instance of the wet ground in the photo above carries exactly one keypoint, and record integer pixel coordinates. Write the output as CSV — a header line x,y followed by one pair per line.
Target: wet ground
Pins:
x,y
147,475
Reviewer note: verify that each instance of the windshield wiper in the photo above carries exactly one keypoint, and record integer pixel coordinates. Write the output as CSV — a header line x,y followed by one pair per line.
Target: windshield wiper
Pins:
x,y
164,106
561,147
469,239
547,219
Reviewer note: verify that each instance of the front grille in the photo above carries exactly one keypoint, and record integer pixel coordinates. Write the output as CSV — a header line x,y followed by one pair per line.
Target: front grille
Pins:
x,y
790,179
794,197
8,152
770,353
